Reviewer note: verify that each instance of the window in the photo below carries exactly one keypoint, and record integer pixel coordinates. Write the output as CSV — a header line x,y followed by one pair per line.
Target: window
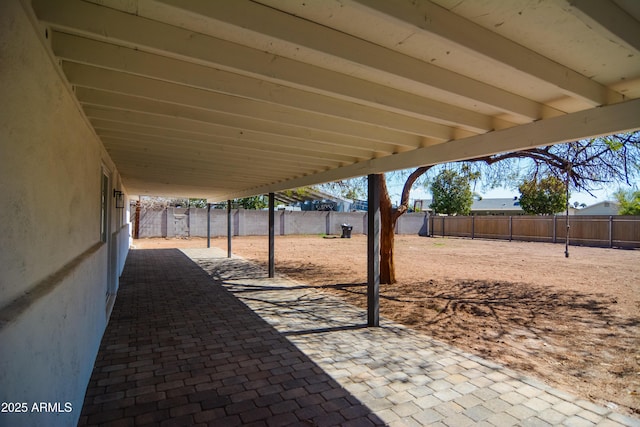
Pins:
x,y
104,207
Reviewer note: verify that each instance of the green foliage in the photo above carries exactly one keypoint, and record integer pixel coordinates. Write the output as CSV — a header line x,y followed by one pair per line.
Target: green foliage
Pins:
x,y
254,202
614,144
300,192
590,163
353,193
156,202
629,202
544,197
354,188
197,203
452,193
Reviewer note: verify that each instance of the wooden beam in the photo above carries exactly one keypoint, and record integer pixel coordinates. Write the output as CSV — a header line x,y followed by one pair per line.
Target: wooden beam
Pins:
x,y
479,40
606,17
249,137
192,159
239,143
113,81
266,28
126,102
217,148
178,118
622,117
106,55
122,28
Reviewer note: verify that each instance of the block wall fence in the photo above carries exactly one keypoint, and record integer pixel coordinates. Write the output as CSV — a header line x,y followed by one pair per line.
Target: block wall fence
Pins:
x,y
602,231
182,222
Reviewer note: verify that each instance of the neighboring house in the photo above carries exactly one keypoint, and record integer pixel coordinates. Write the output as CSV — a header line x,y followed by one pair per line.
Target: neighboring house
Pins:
x,y
501,206
600,208
360,205
312,200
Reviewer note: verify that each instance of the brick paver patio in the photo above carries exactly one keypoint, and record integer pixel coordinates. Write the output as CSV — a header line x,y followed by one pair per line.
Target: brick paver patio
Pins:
x,y
230,347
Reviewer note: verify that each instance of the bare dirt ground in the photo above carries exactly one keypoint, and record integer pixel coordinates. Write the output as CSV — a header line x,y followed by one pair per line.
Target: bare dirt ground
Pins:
x,y
571,322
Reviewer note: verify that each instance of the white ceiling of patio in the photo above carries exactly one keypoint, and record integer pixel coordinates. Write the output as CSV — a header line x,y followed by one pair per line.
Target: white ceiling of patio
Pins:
x,y
229,98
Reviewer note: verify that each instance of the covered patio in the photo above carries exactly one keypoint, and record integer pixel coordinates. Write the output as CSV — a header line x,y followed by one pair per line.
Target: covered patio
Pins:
x,y
197,338
108,100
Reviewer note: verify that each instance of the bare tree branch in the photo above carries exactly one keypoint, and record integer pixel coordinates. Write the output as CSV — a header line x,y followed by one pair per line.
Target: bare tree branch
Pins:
x,y
406,190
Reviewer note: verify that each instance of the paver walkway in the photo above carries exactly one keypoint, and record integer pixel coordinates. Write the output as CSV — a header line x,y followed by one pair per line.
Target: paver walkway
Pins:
x,y
241,349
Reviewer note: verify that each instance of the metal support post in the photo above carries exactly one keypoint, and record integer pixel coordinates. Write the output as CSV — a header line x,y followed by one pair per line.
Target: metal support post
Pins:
x,y
272,268
373,251
229,229
208,225
566,241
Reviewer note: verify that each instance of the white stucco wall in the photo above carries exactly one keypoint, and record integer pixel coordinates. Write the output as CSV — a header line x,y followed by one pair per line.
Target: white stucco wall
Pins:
x,y
53,265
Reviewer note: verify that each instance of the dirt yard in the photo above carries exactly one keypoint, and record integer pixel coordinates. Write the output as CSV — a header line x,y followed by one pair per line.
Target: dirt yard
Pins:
x,y
571,322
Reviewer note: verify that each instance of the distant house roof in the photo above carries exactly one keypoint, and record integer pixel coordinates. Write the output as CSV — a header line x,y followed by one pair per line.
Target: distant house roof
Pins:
x,y
506,204
606,207
499,206
503,205
313,199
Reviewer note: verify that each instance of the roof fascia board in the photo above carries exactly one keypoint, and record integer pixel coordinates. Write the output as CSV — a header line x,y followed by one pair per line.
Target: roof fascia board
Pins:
x,y
621,117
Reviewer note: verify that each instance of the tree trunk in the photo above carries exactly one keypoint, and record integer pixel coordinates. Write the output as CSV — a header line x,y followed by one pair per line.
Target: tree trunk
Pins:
x,y
388,219
387,232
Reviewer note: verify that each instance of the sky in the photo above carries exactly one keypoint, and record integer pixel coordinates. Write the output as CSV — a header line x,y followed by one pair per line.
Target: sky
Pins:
x,y
395,182
395,185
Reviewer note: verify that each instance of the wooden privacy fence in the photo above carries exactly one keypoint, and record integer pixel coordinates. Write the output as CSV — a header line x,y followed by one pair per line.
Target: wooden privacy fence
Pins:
x,y
601,231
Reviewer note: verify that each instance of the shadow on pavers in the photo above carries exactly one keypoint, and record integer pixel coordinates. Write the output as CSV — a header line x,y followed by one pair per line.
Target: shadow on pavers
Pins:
x,y
181,349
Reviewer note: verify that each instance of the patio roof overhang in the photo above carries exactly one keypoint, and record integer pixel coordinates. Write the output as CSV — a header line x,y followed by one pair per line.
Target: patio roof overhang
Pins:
x,y
226,99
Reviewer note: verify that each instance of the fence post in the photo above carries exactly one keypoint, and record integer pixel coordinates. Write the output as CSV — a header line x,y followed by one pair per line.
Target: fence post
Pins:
x,y
189,219
282,220
170,220
510,228
365,222
327,223
473,226
426,224
433,224
610,231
